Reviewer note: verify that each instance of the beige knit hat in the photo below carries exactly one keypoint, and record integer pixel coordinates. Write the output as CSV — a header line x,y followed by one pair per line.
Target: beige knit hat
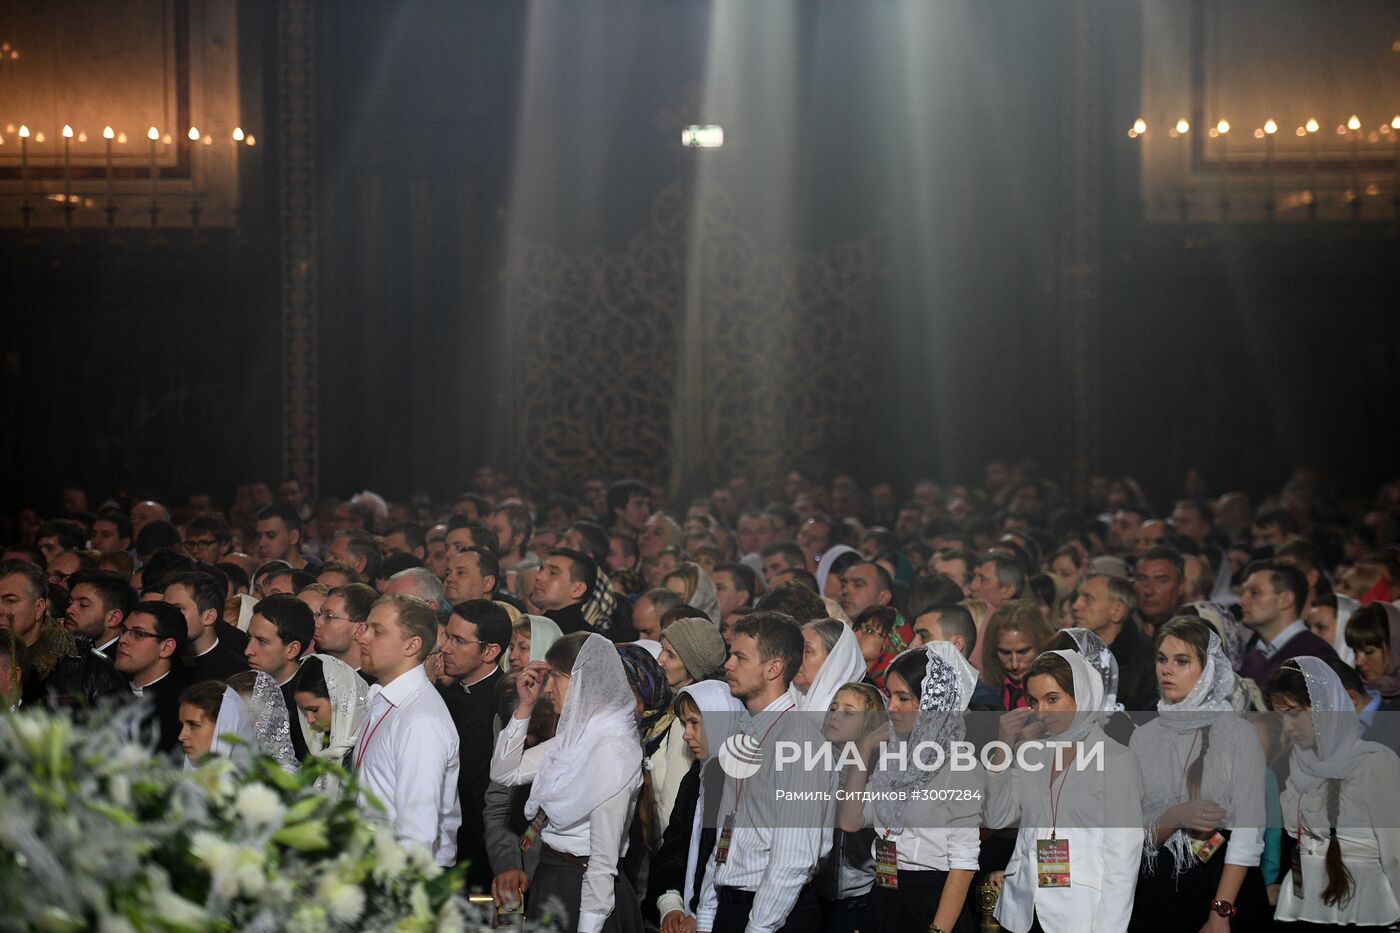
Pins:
x,y
699,646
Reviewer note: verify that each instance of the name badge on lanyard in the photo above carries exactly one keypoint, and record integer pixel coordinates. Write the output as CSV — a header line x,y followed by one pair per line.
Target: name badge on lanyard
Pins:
x,y
532,832
726,836
886,864
1052,863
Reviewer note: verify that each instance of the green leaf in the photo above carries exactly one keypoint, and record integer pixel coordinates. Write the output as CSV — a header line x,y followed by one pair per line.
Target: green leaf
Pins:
x,y
304,837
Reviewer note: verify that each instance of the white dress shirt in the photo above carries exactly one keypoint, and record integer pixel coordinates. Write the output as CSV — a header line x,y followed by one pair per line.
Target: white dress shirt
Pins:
x,y
601,837
408,758
938,835
777,844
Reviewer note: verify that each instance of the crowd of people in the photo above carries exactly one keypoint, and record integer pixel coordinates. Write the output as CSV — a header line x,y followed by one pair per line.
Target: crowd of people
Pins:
x,y
544,688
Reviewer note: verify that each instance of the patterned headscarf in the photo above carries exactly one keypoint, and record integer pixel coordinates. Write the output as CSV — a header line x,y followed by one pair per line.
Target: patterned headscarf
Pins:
x,y
648,682
900,638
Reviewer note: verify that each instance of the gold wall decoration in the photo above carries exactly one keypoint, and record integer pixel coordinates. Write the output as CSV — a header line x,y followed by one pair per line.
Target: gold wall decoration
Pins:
x,y
692,353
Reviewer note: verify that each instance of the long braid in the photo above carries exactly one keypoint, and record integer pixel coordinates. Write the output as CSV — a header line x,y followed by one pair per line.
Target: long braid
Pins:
x,y
1339,878
1197,769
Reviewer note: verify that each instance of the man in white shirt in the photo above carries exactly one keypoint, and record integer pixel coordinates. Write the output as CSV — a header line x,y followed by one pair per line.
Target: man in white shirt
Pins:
x,y
758,880
407,757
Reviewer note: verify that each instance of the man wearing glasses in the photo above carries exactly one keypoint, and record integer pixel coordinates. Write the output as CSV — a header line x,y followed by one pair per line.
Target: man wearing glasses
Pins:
x,y
477,639
152,638
340,621
208,538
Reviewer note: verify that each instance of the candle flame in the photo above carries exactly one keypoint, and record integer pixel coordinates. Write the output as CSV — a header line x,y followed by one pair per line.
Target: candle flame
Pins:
x,y
1140,126
1354,123
121,138
82,137
1312,126
1222,127
153,134
67,131
1270,126
24,131
252,140
238,134
107,133
1182,126
194,133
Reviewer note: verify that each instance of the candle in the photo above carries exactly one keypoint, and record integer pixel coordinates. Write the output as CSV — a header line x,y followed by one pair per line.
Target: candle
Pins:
x,y
1223,129
107,135
67,163
1395,140
1182,128
1270,128
24,164
1312,126
153,134
194,198
1354,133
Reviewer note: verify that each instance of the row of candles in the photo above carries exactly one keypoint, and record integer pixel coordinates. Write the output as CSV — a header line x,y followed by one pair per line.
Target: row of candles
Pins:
x,y
1351,129
153,135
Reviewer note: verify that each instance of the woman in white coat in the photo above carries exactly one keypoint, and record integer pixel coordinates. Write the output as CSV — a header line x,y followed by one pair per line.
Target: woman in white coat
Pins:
x,y
1075,865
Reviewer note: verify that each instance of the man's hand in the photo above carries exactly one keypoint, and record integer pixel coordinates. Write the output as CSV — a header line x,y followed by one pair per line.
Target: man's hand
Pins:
x,y
676,921
508,888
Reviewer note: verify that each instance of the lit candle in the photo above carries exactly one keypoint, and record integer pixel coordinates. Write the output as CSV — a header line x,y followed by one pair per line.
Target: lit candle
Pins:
x,y
1270,128
1354,133
67,163
194,198
153,134
108,135
1312,126
1395,141
1182,128
1223,129
24,164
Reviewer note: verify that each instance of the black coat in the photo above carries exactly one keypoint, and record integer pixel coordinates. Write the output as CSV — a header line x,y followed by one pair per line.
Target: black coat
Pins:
x,y
473,712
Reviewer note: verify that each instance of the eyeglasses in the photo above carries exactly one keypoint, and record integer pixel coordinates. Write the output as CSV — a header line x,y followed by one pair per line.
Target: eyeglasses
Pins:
x,y
201,543
461,642
138,634
332,617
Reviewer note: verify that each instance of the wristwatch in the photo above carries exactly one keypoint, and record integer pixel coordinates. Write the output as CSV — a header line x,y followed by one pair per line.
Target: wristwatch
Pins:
x,y
1223,908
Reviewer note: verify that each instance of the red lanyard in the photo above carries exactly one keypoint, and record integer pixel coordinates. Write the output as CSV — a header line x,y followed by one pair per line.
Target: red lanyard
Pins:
x,y
365,747
1055,798
739,794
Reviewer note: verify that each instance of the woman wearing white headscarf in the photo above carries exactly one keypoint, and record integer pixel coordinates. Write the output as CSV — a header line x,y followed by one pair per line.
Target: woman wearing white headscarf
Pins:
x,y
584,782
709,714
1079,841
334,700
831,658
926,820
531,638
1339,804
1204,791
825,568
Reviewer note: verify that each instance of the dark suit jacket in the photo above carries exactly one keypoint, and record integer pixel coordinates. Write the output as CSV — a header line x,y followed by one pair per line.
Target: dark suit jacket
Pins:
x,y
161,720
231,636
473,711
219,663
1137,677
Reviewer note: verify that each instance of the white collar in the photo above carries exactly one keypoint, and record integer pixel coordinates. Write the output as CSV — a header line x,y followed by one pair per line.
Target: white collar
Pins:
x,y
109,644
139,690
1297,627
209,649
402,686
468,687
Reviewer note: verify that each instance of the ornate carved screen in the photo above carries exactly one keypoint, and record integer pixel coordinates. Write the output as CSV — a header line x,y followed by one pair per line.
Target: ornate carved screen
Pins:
x,y
692,353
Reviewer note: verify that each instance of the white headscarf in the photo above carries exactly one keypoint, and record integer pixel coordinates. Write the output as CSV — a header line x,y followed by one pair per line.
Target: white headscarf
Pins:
x,y
1338,749
1345,607
595,752
1101,659
245,610
706,597
1217,692
272,735
543,634
232,722
349,696
844,665
824,564
1088,697
720,710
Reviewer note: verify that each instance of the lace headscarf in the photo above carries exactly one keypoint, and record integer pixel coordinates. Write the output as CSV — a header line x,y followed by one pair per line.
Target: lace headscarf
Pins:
x,y
272,735
1234,637
1216,692
1088,697
1101,659
1337,749
844,665
720,711
649,682
349,696
943,698
594,753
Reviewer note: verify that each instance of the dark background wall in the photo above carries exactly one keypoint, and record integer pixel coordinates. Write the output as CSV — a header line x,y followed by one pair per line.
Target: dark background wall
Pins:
x,y
443,128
